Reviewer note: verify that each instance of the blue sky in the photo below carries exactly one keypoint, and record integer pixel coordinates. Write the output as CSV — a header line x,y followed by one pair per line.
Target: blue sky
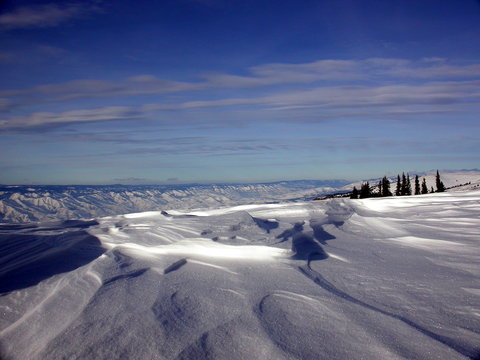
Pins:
x,y
97,92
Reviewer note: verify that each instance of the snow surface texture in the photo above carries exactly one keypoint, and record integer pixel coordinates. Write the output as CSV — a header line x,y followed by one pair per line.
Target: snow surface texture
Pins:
x,y
23,204
391,278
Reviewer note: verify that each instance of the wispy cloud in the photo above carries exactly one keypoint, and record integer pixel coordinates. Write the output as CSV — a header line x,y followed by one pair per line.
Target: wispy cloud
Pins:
x,y
5,105
431,68
323,102
277,73
345,71
433,93
50,120
376,87
93,88
332,75
123,138
231,147
41,16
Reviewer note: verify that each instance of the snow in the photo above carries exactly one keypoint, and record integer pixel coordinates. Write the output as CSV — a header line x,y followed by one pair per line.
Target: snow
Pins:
x,y
383,278
455,180
203,248
23,204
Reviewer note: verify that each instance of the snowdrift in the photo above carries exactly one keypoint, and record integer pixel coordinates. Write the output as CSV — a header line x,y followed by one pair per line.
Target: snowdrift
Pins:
x,y
391,278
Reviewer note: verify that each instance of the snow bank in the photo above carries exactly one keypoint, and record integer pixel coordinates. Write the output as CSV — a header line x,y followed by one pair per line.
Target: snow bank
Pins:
x,y
336,279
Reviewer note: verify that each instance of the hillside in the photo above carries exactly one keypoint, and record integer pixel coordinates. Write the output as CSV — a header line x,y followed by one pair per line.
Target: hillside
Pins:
x,y
453,181
23,204
385,278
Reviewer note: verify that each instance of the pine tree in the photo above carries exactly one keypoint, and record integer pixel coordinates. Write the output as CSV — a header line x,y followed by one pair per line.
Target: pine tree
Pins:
x,y
408,186
403,189
380,188
431,190
398,190
386,187
354,193
424,187
365,191
417,185
439,183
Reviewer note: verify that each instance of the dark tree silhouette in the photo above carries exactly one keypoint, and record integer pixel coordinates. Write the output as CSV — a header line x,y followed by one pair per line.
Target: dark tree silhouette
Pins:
x,y
424,187
386,187
365,191
403,187
439,183
408,186
398,190
417,185
354,194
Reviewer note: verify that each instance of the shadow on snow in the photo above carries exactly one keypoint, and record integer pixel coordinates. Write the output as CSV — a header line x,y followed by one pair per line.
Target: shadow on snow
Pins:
x,y
28,257
308,246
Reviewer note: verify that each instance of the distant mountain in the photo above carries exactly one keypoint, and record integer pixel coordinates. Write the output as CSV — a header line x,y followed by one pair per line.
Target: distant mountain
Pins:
x,y
23,204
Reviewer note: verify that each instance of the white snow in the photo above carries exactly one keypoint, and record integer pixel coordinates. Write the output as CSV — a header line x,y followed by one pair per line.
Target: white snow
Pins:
x,y
455,180
391,278
27,204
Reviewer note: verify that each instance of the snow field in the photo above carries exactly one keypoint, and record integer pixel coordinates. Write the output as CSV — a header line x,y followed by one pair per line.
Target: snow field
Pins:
x,y
336,279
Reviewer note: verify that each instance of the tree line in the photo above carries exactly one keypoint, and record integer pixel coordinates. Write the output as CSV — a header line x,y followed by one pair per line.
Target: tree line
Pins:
x,y
403,187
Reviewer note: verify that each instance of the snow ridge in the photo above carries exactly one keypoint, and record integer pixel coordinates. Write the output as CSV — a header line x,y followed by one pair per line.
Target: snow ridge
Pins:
x,y
382,278
23,204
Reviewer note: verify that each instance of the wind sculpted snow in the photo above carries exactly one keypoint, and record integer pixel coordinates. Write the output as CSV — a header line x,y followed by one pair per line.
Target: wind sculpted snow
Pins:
x,y
336,279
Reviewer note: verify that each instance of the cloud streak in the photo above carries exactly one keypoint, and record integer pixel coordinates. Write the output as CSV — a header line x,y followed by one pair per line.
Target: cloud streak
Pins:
x,y
92,88
42,16
324,102
345,71
434,93
324,73
50,120
371,87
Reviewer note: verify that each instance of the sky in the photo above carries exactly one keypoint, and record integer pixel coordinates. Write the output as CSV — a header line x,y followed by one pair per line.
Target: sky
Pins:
x,y
183,91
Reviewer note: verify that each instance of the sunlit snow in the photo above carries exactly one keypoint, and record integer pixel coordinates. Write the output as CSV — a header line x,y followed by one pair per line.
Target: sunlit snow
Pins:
x,y
198,248
395,278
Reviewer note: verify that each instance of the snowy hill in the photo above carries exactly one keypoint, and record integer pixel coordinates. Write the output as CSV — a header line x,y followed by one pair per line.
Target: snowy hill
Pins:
x,y
453,180
385,278
23,204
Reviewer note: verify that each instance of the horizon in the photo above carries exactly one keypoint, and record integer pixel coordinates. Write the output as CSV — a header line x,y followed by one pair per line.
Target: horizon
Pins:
x,y
216,91
181,184
347,181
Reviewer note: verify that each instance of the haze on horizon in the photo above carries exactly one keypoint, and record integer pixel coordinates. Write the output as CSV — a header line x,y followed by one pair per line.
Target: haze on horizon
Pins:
x,y
97,92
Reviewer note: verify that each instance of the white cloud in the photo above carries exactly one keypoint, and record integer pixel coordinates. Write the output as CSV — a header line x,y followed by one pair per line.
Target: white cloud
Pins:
x,y
47,119
433,93
320,73
329,88
344,71
93,88
277,73
441,71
